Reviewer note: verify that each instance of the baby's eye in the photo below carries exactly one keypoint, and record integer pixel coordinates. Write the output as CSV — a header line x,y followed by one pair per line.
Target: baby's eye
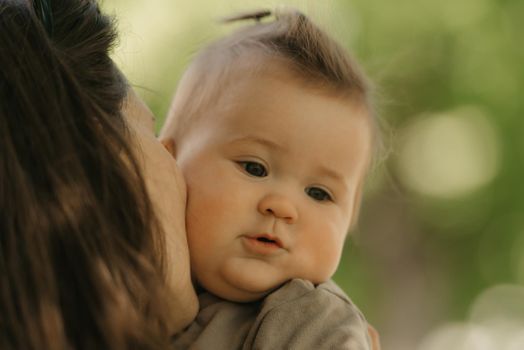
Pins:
x,y
318,194
254,169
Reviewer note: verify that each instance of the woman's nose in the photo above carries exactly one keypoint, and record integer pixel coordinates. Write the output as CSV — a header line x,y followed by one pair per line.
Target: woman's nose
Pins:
x,y
279,206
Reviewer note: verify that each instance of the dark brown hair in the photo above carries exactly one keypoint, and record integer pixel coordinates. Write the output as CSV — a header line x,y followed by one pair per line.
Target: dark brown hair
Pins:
x,y
80,247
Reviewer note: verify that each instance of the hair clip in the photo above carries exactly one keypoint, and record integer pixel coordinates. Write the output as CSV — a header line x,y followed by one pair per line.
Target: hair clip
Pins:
x,y
256,15
45,14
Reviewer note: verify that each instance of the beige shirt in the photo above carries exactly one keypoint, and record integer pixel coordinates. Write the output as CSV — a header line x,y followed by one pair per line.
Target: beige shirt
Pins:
x,y
298,315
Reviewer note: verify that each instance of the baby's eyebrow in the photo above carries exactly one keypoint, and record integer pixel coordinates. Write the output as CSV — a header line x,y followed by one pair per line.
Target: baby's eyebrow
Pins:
x,y
332,174
260,140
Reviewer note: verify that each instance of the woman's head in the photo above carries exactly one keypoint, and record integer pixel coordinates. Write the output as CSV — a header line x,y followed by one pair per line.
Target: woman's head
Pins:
x,y
81,249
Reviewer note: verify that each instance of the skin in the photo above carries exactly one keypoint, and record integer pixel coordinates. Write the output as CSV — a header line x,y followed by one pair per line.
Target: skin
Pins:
x,y
273,162
167,191
374,337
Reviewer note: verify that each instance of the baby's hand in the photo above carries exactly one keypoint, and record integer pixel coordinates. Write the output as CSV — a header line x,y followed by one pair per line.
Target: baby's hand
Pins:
x,y
373,335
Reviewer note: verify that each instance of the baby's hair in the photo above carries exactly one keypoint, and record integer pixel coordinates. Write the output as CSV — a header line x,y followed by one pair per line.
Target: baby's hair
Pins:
x,y
291,40
294,37
256,15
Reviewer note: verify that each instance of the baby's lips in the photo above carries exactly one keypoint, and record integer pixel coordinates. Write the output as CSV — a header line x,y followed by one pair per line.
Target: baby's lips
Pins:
x,y
267,237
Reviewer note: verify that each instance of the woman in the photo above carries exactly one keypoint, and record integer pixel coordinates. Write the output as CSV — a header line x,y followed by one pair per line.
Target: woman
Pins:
x,y
92,256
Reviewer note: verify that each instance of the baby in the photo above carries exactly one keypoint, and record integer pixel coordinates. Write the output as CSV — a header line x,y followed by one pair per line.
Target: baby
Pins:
x,y
273,131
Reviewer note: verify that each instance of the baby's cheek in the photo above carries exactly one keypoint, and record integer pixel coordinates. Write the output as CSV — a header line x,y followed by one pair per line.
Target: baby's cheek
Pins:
x,y
324,258
330,260
202,250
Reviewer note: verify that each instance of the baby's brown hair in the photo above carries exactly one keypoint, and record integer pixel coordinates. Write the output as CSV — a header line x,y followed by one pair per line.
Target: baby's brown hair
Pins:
x,y
291,40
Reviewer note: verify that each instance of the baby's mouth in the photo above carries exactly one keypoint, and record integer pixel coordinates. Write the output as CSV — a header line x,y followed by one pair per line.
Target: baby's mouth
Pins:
x,y
267,239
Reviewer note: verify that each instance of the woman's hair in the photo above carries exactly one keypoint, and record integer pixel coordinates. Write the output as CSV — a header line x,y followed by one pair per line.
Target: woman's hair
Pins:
x,y
80,247
289,40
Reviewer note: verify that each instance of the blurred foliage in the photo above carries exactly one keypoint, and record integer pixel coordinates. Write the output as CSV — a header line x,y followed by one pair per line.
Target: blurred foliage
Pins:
x,y
419,259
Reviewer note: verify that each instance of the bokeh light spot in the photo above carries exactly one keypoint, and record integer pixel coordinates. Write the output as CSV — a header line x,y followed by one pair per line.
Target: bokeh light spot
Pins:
x,y
499,304
458,336
448,155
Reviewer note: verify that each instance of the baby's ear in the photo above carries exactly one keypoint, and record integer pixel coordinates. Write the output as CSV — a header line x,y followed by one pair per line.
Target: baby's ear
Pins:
x,y
356,206
169,145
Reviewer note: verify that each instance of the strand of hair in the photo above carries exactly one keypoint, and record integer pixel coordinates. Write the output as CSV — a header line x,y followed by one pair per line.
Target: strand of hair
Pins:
x,y
252,15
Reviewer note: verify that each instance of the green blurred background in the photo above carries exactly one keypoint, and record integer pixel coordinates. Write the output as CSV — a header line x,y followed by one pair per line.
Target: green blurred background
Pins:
x,y
438,259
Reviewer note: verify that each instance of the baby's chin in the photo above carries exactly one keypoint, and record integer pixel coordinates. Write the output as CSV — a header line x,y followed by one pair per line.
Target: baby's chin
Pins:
x,y
239,295
236,285
238,290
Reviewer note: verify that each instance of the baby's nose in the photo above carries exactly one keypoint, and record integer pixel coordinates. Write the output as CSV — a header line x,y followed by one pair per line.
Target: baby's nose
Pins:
x,y
279,206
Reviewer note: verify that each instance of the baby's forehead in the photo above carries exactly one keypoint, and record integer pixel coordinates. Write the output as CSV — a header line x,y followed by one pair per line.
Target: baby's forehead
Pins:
x,y
275,94
204,92
282,111
278,72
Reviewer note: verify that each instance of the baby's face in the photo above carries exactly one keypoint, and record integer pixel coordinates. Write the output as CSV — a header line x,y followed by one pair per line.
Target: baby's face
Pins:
x,y
274,177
